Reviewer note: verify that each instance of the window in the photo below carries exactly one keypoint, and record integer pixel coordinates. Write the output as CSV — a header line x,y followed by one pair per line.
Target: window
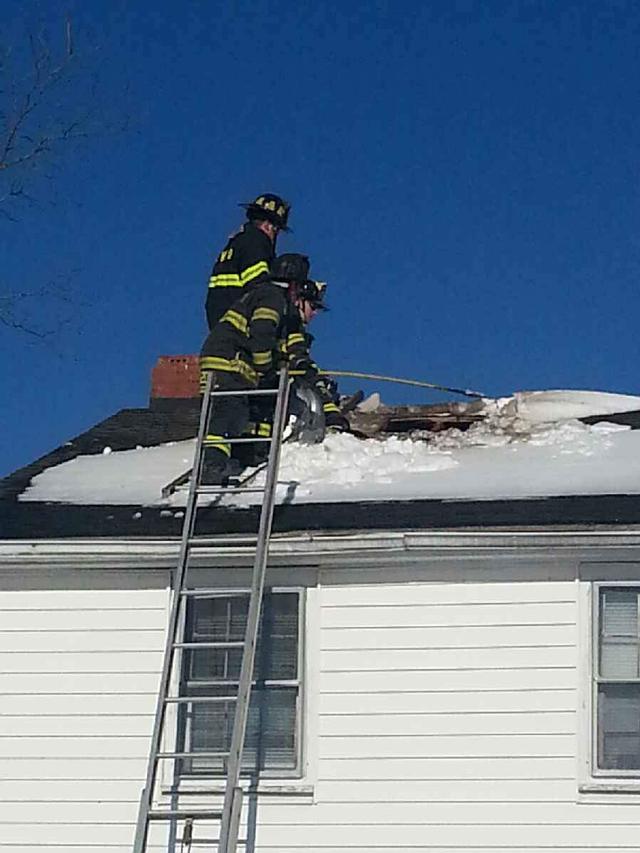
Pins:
x,y
272,742
617,681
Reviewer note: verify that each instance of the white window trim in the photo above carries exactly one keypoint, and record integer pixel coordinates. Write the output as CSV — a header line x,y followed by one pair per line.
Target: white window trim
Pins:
x,y
299,785
591,780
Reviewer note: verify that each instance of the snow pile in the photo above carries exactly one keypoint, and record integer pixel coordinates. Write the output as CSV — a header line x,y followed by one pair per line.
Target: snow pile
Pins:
x,y
113,477
513,453
540,421
482,463
534,407
353,466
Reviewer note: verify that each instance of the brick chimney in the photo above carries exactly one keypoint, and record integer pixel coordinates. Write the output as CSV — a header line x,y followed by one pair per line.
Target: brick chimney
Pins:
x,y
175,382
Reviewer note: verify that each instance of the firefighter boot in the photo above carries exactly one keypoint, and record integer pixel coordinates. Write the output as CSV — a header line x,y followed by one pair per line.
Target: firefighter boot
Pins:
x,y
215,467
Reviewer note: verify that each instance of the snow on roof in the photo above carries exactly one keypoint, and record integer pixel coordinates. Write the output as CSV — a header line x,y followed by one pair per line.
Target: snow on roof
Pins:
x,y
529,445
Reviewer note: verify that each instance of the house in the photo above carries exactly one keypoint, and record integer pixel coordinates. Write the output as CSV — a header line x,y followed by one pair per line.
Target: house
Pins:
x,y
450,660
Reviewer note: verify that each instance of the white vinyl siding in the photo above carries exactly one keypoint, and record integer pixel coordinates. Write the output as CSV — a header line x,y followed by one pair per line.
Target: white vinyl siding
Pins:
x,y
448,721
80,657
443,718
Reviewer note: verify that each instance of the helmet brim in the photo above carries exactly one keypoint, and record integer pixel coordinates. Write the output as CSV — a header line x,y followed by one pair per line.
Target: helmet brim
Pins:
x,y
266,215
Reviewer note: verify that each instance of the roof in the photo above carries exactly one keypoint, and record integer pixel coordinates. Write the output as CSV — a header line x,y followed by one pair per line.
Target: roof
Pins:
x,y
543,459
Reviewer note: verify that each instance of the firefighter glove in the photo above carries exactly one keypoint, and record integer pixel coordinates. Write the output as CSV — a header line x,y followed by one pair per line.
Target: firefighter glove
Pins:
x,y
335,422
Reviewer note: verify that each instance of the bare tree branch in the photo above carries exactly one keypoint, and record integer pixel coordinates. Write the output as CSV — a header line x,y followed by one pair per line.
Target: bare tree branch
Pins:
x,y
38,110
40,312
48,104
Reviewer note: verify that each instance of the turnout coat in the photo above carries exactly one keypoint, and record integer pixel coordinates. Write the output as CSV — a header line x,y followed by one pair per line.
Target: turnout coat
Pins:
x,y
262,327
246,259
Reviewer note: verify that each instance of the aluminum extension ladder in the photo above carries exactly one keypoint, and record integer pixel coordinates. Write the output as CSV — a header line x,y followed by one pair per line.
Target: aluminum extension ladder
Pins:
x,y
229,816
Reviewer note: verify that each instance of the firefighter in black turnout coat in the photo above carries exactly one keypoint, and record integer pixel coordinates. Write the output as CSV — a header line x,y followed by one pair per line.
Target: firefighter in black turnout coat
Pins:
x,y
247,256
265,324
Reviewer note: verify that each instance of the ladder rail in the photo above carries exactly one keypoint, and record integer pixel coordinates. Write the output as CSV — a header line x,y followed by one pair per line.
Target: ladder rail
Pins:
x,y
146,797
230,814
233,792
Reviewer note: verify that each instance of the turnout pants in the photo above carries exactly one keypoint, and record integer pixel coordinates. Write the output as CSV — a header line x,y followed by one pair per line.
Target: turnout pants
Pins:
x,y
229,417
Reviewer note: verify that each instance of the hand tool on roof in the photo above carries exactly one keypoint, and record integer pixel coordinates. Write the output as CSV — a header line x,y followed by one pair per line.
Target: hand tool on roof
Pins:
x,y
466,392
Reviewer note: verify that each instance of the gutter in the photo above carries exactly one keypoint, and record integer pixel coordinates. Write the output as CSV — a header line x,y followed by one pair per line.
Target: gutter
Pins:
x,y
365,548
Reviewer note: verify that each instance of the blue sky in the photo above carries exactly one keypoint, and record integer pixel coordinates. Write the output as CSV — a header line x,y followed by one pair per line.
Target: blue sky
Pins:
x,y
464,174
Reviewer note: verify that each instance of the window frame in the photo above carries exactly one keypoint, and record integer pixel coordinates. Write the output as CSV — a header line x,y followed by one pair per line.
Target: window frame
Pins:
x,y
601,773
182,725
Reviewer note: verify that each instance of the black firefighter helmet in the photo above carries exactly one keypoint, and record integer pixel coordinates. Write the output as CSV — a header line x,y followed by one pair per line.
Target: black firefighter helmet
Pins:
x,y
294,270
291,268
270,207
313,293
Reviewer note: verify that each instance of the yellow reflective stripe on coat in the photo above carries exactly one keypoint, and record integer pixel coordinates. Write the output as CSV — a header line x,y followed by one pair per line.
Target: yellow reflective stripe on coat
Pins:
x,y
253,272
219,442
330,407
237,321
229,365
212,362
265,314
295,338
262,358
262,428
225,280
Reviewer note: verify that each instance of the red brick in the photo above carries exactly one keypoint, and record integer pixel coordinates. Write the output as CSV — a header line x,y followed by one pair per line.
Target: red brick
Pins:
x,y
175,376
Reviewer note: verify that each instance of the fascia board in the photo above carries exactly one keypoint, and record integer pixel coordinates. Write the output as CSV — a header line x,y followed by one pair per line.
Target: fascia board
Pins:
x,y
366,548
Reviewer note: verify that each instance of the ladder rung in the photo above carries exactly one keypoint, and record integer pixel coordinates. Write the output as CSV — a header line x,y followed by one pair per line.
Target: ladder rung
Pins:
x,y
211,442
227,490
168,755
215,593
185,700
256,391
221,644
202,541
209,843
158,814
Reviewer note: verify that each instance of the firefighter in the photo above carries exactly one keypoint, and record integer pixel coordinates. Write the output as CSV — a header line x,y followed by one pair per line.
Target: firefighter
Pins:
x,y
307,377
247,257
301,366
264,325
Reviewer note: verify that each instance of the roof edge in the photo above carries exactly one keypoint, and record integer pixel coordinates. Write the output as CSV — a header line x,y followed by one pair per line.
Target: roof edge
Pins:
x,y
30,521
362,547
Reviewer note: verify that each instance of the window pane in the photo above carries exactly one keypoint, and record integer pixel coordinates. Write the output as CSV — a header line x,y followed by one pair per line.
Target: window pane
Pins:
x,y
271,737
619,659
619,633
217,619
271,730
220,619
215,664
619,726
619,609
